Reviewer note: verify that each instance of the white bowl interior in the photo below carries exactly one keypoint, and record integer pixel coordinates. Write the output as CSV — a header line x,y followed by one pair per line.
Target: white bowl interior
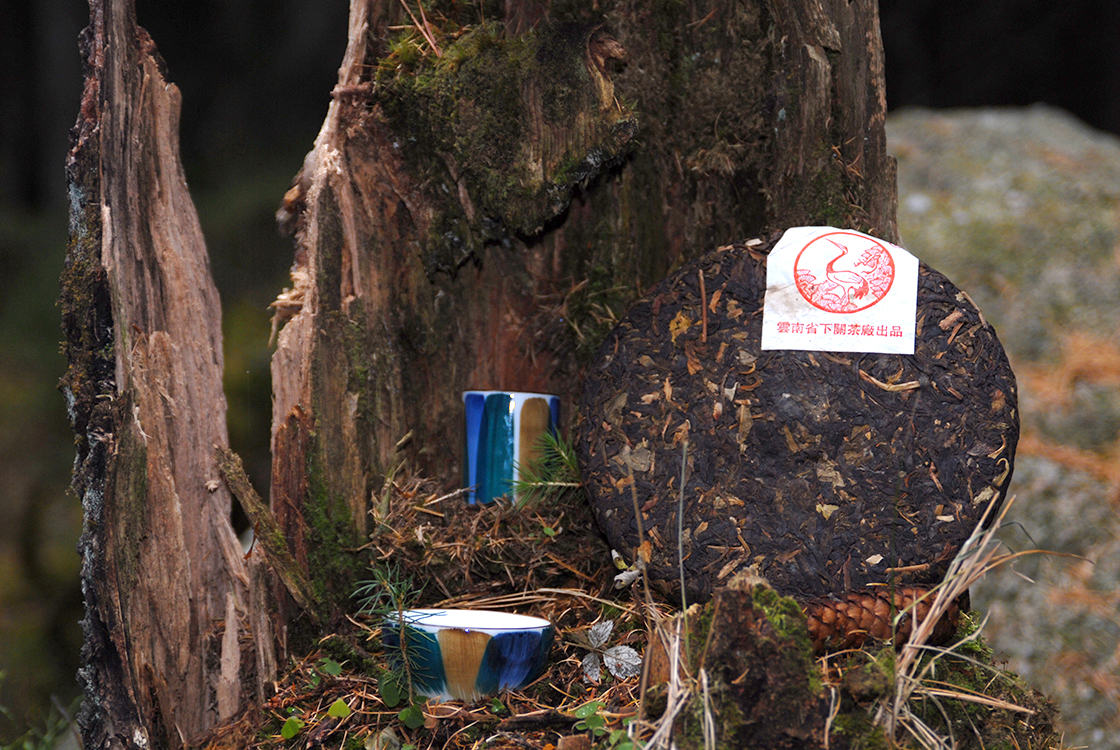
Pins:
x,y
470,619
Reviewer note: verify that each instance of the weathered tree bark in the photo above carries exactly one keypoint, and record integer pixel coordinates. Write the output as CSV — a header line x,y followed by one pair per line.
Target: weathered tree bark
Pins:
x,y
167,590
438,251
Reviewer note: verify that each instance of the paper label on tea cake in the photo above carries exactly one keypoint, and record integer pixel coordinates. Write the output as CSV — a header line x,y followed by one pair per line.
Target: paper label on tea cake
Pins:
x,y
839,290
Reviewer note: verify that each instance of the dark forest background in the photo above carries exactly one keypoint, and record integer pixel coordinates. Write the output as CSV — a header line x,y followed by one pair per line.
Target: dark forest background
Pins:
x,y
256,79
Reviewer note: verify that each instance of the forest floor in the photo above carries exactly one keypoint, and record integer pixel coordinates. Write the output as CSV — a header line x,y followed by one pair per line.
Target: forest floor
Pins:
x,y
548,559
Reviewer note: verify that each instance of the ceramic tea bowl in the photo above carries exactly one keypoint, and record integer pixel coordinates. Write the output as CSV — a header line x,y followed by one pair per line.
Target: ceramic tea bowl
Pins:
x,y
463,654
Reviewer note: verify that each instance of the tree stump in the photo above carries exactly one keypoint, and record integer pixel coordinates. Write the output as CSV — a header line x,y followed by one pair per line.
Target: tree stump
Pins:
x,y
487,195
431,257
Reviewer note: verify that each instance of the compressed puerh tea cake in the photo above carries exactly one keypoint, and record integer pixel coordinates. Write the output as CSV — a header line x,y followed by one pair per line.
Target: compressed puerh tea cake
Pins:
x,y
823,472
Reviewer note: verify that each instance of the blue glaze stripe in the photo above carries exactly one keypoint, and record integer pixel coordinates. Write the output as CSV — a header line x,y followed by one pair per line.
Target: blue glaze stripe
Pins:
x,y
495,454
513,660
474,404
425,660
554,407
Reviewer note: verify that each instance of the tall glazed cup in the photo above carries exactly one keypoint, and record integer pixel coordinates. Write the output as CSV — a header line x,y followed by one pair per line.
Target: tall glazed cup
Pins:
x,y
503,431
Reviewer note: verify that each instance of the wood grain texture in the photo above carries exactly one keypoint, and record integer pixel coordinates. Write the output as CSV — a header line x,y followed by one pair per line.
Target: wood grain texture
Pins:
x,y
162,569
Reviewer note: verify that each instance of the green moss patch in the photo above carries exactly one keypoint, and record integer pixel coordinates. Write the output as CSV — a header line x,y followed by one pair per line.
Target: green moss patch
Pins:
x,y
501,130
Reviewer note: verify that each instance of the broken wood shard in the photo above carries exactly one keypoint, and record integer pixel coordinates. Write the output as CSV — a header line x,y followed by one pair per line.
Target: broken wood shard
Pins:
x,y
267,532
163,576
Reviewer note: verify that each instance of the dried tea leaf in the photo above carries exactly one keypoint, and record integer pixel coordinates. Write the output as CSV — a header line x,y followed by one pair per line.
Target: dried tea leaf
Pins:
x,y
626,577
641,458
679,325
618,560
829,471
827,510
386,739
692,358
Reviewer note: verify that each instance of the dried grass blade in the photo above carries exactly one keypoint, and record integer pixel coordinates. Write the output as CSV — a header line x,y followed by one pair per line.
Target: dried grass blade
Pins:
x,y
972,697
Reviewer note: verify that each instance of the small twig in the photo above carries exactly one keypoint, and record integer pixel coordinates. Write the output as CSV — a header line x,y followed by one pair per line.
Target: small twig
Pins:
x,y
534,596
677,692
267,531
428,28
424,28
680,529
643,683
537,720
640,562
709,718
702,21
908,568
703,309
571,569
893,387
977,556
973,697
833,712
341,91
448,496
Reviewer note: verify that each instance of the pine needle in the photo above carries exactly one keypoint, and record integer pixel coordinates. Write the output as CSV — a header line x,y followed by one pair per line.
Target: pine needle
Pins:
x,y
550,476
424,28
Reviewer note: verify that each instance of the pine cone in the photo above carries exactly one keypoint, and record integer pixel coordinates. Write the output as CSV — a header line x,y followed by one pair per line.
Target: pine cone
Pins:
x,y
848,621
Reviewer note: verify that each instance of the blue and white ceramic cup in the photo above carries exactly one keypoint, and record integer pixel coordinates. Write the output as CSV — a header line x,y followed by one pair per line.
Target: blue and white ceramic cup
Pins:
x,y
463,654
503,432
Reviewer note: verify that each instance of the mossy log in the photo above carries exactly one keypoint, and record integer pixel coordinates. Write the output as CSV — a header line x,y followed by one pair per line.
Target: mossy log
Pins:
x,y
747,679
488,193
746,662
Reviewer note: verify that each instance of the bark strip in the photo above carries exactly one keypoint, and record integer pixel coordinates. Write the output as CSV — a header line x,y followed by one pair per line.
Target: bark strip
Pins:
x,y
162,574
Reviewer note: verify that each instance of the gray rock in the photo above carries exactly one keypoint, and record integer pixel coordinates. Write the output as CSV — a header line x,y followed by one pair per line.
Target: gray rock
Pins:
x,y
1021,208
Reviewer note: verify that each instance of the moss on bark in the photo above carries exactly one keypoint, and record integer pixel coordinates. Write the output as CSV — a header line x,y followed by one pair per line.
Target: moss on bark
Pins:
x,y
502,129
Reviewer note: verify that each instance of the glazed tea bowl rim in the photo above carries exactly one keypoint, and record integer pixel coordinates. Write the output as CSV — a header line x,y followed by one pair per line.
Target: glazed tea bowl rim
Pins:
x,y
484,620
527,394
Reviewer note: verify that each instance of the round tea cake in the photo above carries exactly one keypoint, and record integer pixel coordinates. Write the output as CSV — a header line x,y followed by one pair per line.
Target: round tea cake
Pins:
x,y
821,471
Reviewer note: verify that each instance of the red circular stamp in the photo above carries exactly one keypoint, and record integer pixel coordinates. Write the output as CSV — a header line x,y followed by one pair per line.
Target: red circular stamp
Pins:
x,y
844,272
